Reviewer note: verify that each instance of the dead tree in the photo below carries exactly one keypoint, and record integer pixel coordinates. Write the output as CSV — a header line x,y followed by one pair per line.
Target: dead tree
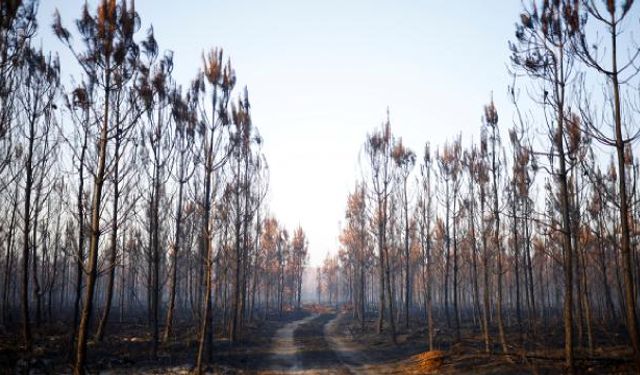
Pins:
x,y
611,17
404,160
425,212
449,168
154,89
107,37
37,95
185,120
215,147
378,150
542,51
495,167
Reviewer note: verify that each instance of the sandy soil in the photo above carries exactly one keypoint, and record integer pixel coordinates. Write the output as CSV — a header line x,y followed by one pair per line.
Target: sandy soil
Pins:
x,y
285,353
319,345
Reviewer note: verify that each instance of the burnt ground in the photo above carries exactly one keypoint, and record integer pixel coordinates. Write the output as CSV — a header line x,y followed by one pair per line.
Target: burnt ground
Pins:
x,y
317,354
126,349
319,340
543,355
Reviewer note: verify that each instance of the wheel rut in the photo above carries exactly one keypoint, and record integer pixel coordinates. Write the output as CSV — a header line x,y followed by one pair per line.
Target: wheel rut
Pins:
x,y
306,346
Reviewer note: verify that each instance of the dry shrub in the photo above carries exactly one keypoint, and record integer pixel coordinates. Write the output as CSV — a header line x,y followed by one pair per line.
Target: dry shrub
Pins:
x,y
429,361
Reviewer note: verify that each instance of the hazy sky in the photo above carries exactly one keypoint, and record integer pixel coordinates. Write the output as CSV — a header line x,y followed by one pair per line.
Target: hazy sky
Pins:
x,y
321,74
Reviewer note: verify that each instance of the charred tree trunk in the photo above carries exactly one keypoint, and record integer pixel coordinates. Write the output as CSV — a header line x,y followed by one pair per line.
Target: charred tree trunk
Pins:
x,y
176,248
26,326
92,271
113,249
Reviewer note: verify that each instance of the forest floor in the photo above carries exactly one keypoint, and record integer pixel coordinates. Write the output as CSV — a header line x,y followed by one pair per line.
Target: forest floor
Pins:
x,y
126,349
373,353
318,340
332,342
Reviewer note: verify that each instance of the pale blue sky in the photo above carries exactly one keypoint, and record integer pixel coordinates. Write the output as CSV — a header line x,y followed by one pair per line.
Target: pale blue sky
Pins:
x,y
322,73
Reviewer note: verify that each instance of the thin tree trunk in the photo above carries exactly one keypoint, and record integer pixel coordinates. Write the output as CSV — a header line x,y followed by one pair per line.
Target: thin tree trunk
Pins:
x,y
174,258
81,238
407,255
207,237
113,250
390,293
455,269
474,248
485,267
496,239
26,326
625,241
9,259
516,246
381,240
87,309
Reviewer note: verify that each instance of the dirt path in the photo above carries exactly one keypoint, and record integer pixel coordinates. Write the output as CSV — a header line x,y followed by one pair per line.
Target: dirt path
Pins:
x,y
301,347
356,358
285,354
318,355
349,354
315,345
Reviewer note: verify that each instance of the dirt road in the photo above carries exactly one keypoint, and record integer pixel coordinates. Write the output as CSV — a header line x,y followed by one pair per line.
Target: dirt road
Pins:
x,y
286,355
313,345
301,347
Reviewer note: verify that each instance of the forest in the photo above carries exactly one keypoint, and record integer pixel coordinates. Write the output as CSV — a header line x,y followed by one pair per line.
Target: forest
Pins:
x,y
137,235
